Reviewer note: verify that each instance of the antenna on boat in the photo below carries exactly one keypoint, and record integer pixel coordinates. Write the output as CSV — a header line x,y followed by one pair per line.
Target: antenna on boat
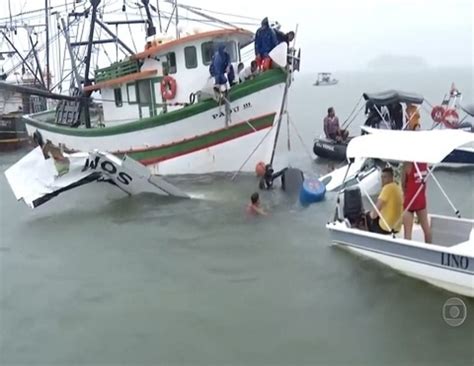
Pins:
x,y
46,17
176,18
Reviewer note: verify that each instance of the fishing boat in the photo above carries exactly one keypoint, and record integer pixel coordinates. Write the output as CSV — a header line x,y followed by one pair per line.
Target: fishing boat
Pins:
x,y
160,108
448,262
325,79
13,105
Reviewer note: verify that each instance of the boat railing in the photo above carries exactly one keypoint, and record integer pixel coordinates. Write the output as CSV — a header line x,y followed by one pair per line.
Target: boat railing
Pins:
x,y
450,231
116,70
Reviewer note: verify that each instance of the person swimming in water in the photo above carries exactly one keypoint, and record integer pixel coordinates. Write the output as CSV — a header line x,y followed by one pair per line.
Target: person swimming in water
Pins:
x,y
253,208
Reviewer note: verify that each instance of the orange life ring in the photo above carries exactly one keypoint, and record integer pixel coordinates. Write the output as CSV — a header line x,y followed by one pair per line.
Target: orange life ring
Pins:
x,y
168,88
438,114
451,118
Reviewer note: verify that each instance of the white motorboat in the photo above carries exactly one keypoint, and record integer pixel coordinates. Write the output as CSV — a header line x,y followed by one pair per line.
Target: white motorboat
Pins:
x,y
325,79
362,172
448,262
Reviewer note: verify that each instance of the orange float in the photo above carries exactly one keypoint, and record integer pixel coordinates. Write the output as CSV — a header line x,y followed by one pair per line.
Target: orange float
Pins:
x,y
260,169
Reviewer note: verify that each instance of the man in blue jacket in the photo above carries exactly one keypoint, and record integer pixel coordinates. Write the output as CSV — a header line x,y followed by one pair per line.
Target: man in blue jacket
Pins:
x,y
265,41
219,66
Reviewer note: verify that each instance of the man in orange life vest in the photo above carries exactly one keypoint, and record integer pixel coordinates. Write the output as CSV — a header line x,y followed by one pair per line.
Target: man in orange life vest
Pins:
x,y
265,41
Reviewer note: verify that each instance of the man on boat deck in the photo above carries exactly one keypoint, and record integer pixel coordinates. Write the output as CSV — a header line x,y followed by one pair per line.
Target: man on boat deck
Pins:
x,y
331,127
390,206
248,72
265,41
219,67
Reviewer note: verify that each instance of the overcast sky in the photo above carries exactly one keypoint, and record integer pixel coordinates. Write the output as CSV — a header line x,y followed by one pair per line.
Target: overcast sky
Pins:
x,y
346,34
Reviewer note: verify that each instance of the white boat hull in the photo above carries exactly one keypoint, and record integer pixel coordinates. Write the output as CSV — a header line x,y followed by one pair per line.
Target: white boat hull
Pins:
x,y
454,282
448,267
196,142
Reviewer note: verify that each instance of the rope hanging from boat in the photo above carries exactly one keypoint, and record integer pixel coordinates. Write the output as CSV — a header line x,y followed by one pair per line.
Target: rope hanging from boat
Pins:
x,y
307,150
251,154
354,117
456,211
350,114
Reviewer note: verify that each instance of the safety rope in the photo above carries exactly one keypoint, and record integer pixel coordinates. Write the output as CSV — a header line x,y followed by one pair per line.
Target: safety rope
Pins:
x,y
251,154
350,114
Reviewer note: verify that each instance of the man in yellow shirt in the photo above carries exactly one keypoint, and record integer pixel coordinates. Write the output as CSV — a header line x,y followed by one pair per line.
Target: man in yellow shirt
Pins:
x,y
390,206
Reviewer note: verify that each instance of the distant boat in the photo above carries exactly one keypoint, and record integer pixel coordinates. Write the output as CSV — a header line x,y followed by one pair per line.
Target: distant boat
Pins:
x,y
13,105
324,79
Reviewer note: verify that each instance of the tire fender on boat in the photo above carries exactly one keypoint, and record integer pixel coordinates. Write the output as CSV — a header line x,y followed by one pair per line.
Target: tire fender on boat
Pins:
x,y
168,87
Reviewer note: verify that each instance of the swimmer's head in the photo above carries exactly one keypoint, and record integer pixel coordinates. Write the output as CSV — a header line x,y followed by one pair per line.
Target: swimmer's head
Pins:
x,y
255,198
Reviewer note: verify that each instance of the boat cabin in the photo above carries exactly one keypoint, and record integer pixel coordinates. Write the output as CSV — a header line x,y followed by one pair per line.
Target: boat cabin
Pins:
x,y
167,75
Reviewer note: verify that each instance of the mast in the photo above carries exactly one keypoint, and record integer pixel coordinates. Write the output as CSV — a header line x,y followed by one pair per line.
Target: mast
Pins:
x,y
46,14
151,30
23,59
38,65
71,55
87,81
176,18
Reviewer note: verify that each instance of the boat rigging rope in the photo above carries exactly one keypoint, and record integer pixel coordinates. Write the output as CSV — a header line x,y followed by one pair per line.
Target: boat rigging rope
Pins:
x,y
251,154
456,211
350,114
130,30
307,150
354,117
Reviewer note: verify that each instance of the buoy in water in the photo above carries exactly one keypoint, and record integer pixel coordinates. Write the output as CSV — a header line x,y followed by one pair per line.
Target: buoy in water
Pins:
x,y
260,169
312,191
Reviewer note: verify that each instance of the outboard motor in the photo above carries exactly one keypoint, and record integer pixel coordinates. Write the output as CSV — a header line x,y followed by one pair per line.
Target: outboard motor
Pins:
x,y
353,207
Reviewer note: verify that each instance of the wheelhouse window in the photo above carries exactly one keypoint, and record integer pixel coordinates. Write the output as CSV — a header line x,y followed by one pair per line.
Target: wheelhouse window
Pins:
x,y
132,93
190,57
118,97
208,49
170,64
144,92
